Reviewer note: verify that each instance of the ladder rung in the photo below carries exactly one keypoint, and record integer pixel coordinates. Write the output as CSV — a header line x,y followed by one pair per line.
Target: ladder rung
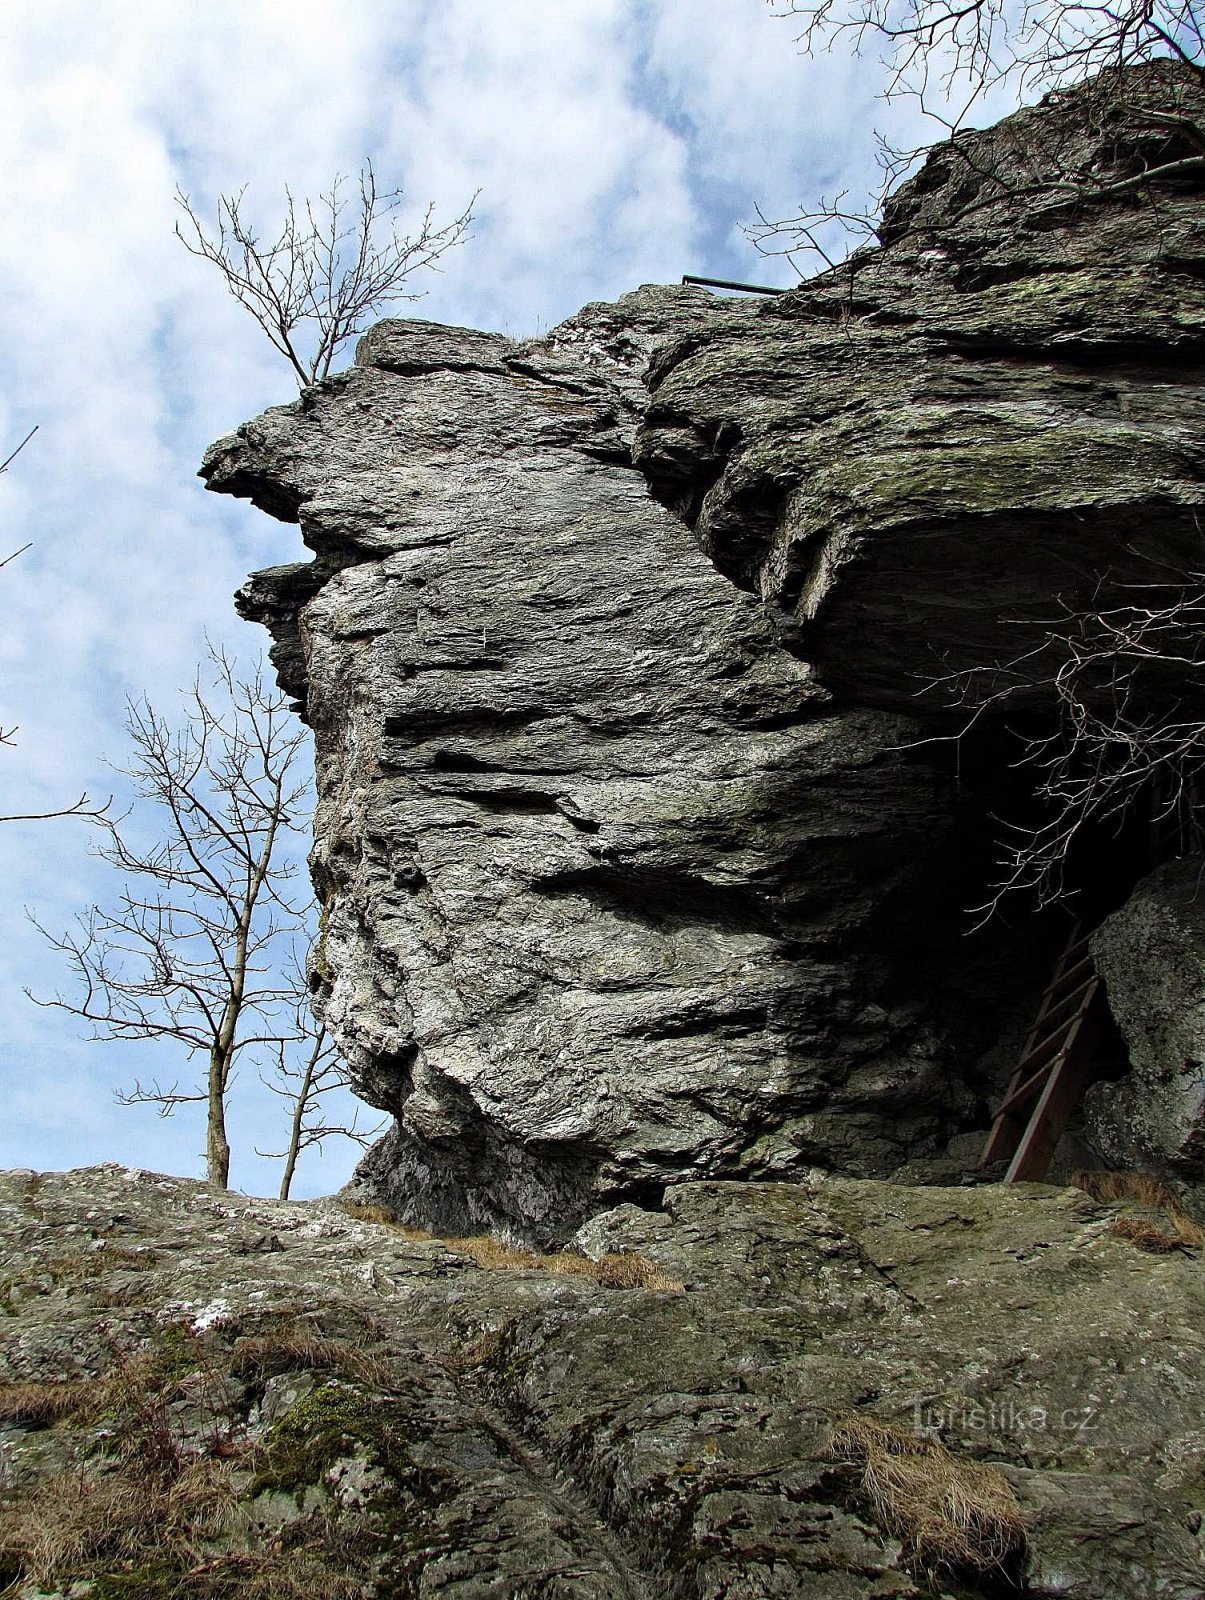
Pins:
x,y
1077,999
1025,1091
1051,1114
1075,973
1045,1048
1052,1070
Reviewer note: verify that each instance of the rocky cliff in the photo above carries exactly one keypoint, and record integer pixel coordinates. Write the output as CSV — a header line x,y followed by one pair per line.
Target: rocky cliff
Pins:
x,y
623,653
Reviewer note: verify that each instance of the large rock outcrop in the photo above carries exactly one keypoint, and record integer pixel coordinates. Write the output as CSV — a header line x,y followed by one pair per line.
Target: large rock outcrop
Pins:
x,y
203,1395
617,647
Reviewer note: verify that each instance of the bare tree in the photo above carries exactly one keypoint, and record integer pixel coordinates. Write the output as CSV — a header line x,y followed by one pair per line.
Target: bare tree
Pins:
x,y
948,56
335,261
191,949
307,1069
1127,685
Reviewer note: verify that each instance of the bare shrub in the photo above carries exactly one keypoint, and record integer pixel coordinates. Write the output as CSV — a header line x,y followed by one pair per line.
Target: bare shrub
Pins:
x,y
1127,686
335,261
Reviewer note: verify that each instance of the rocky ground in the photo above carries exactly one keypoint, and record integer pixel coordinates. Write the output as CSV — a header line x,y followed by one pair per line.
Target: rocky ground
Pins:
x,y
764,1390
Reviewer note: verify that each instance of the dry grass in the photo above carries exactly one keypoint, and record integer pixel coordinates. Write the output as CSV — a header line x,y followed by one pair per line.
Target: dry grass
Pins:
x,y
1143,1189
626,1271
40,1404
72,1521
384,1218
611,1271
152,1539
268,1354
949,1513
1146,1235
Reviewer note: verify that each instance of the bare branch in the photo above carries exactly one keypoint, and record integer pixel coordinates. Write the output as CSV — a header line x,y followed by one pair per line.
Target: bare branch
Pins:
x,y
82,807
335,262
11,457
1128,687
947,55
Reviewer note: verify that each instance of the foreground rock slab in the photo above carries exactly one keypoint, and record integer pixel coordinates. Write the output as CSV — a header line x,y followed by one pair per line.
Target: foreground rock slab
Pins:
x,y
274,1394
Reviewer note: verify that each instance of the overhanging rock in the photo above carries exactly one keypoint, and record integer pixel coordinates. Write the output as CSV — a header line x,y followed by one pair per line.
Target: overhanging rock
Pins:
x,y
631,865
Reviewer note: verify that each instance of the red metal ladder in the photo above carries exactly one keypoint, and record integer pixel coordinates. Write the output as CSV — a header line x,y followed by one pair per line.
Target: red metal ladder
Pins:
x,y
1062,1047
1056,1066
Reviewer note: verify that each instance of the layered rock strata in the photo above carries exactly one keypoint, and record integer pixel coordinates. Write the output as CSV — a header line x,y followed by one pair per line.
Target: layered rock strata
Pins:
x,y
634,863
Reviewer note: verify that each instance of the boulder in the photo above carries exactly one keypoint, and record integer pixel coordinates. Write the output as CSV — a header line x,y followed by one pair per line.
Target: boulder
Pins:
x,y
644,838
1151,956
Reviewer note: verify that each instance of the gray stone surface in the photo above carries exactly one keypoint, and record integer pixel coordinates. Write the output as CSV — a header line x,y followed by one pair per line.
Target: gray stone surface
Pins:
x,y
599,858
1151,955
996,415
381,1403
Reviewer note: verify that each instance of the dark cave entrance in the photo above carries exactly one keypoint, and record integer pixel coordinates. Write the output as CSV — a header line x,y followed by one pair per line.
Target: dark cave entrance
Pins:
x,y
985,969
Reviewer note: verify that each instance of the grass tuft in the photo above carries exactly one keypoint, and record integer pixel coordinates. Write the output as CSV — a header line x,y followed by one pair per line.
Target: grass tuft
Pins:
x,y
384,1218
950,1514
1143,1189
266,1355
611,1271
615,1271
38,1405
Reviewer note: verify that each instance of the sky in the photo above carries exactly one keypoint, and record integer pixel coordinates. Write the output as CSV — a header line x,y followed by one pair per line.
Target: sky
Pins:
x,y
612,143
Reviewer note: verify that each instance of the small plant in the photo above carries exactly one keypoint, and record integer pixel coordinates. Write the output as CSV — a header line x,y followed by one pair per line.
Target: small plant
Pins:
x,y
951,1515
1143,1189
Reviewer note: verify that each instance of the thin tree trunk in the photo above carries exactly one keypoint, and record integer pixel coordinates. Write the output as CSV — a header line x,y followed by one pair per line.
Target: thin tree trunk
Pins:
x,y
299,1110
217,1145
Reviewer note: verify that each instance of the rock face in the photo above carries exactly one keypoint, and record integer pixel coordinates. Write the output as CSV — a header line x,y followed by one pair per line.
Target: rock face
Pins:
x,y
1151,955
995,416
633,868
203,1395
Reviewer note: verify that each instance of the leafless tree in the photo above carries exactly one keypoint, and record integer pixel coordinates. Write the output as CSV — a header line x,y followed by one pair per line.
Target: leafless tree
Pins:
x,y
1127,684
948,56
190,951
335,261
307,1069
